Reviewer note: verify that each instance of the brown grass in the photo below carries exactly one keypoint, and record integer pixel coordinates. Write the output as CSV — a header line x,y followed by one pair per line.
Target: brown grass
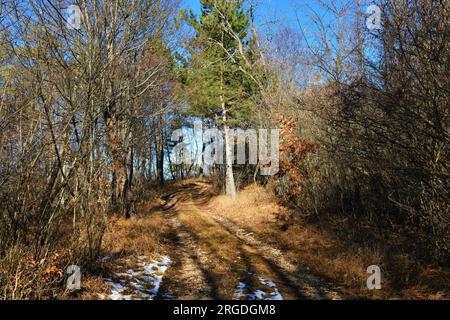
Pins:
x,y
224,259
140,235
318,248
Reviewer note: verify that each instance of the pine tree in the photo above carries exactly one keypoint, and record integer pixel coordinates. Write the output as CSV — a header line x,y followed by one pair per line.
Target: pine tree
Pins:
x,y
216,86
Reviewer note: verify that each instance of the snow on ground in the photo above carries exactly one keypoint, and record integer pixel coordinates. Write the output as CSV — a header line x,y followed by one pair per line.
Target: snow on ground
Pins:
x,y
140,280
270,291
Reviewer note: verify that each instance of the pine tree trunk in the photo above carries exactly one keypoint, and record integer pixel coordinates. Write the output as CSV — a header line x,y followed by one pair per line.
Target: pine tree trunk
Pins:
x,y
230,186
217,166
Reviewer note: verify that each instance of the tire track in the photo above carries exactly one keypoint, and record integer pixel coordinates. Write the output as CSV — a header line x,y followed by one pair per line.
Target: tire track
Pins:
x,y
191,279
309,286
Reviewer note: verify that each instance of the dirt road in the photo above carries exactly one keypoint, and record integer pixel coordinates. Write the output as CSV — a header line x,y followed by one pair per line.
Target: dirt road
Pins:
x,y
209,257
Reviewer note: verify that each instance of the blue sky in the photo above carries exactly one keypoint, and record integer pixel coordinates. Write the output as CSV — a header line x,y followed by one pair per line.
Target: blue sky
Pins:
x,y
286,12
273,15
282,10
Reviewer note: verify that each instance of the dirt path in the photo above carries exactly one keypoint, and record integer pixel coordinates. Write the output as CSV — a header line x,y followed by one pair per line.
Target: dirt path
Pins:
x,y
187,278
212,258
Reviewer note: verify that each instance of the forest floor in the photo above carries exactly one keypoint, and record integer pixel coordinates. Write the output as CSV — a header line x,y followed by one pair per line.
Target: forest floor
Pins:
x,y
191,243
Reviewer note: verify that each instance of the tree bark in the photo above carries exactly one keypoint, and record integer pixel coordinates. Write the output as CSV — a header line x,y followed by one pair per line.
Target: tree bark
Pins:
x,y
230,186
160,152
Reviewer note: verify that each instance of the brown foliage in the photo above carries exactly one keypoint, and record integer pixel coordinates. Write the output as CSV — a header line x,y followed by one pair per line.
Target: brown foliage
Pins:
x,y
293,156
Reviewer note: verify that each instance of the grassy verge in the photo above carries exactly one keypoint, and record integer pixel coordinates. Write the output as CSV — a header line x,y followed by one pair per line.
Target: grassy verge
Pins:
x,y
329,249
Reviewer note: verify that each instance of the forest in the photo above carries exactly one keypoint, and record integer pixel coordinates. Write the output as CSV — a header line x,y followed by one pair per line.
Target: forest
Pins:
x,y
212,149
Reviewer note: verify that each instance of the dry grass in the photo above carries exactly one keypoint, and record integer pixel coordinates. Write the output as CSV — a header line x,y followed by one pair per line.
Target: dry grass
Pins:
x,y
224,259
317,247
141,235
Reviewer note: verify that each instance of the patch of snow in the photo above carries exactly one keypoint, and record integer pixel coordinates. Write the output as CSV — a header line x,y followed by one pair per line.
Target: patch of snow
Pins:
x,y
116,290
155,272
243,291
276,295
129,273
142,282
257,295
168,295
239,293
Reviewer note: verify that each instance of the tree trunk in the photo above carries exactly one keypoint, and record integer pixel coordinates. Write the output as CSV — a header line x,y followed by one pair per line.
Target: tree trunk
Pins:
x,y
127,195
118,163
150,161
230,186
160,152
